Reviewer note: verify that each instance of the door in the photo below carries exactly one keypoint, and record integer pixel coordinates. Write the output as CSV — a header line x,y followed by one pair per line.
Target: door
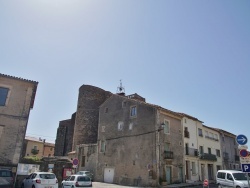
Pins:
x,y
109,175
203,172
168,174
210,172
180,174
187,170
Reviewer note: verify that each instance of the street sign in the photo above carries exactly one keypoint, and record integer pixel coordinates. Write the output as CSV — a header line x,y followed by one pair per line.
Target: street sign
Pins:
x,y
75,162
245,167
241,139
242,147
244,160
243,153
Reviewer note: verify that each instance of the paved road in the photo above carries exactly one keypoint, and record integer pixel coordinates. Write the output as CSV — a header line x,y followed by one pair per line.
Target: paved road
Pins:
x,y
107,185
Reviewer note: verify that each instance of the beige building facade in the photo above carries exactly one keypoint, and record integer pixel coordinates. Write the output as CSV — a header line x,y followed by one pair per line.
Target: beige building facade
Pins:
x,y
17,98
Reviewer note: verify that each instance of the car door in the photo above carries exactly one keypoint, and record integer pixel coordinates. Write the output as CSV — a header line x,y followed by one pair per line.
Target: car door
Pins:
x,y
66,182
71,181
26,181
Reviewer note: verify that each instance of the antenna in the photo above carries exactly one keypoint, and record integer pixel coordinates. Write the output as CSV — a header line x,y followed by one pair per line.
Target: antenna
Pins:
x,y
120,89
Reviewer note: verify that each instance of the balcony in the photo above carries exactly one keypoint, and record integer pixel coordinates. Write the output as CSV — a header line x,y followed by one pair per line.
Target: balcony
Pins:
x,y
209,157
186,134
168,155
34,151
191,152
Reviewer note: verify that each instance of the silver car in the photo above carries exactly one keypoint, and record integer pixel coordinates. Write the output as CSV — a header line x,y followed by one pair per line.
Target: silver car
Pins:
x,y
86,173
74,181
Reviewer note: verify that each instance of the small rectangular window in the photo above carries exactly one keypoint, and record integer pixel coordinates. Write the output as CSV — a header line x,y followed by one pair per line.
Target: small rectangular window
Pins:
x,y
133,111
166,127
193,168
200,132
3,95
209,150
124,104
83,161
106,110
1,131
102,146
120,125
218,153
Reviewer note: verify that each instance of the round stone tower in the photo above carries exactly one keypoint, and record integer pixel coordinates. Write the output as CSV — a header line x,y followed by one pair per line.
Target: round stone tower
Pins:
x,y
87,114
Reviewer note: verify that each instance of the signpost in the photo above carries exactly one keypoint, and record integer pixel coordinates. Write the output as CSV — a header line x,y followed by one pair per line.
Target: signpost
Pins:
x,y
244,155
75,163
241,139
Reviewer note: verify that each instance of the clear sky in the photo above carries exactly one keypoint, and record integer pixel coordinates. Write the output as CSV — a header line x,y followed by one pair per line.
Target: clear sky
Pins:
x,y
188,56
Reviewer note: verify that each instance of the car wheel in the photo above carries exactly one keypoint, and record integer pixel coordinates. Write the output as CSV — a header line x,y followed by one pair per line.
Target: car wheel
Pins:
x,y
62,186
33,186
22,186
219,186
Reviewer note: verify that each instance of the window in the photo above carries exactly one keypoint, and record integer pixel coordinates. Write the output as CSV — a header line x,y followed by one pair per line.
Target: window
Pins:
x,y
193,168
218,153
3,95
103,128
51,149
133,111
206,134
200,132
209,150
120,125
1,130
166,127
35,148
130,126
106,110
167,146
216,137
102,146
124,104
201,149
83,161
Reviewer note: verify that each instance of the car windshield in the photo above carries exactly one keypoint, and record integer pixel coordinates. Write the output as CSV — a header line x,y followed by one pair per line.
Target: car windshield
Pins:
x,y
47,176
83,178
239,176
87,173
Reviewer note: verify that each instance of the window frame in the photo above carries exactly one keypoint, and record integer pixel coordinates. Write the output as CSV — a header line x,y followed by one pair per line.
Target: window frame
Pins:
x,y
6,97
133,111
166,126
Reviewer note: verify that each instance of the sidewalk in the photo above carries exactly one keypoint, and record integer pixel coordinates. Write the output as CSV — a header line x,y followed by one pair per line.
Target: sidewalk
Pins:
x,y
193,184
183,185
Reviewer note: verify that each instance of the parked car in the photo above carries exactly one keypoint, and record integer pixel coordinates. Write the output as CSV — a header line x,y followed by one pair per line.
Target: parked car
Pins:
x,y
6,178
86,173
40,180
231,178
77,181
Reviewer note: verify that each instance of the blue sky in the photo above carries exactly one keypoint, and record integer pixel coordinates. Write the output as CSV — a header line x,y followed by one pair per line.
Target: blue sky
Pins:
x,y
186,56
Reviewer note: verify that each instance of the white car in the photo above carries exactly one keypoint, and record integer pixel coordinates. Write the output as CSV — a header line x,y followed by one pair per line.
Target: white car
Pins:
x,y
40,180
86,173
75,180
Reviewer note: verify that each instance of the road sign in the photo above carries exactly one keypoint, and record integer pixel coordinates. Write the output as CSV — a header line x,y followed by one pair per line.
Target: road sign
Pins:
x,y
245,167
242,147
244,160
243,153
241,139
75,162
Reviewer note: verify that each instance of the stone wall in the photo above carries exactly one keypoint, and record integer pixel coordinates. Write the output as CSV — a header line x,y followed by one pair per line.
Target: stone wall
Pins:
x,y
64,138
86,124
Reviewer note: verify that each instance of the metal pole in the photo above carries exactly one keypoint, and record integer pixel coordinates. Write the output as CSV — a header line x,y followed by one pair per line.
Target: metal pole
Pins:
x,y
248,180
